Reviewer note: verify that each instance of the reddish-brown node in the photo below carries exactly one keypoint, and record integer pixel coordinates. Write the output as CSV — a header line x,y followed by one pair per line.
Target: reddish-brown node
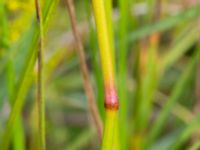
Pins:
x,y
111,99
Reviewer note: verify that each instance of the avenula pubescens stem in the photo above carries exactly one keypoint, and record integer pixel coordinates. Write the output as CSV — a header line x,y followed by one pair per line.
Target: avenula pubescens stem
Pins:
x,y
84,69
111,101
40,84
108,4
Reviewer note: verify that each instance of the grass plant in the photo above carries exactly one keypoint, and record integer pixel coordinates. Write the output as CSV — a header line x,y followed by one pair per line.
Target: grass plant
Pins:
x,y
124,72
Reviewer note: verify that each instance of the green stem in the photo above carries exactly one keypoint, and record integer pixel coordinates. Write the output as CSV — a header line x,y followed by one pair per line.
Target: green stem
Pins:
x,y
111,117
40,99
122,72
95,65
111,102
97,74
109,21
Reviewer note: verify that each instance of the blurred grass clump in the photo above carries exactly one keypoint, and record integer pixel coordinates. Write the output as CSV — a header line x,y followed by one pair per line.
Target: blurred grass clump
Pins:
x,y
155,51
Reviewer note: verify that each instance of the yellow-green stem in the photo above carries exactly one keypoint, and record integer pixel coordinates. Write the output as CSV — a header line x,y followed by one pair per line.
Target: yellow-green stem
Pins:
x,y
108,135
104,42
108,10
111,101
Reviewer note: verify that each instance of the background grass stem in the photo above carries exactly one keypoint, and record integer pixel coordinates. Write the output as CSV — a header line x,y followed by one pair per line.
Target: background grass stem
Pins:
x,y
84,70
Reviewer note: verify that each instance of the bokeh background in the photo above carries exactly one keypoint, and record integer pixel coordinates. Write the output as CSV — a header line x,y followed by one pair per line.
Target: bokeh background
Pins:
x,y
157,70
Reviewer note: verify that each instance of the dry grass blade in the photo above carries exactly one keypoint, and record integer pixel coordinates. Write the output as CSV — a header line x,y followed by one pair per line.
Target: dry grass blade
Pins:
x,y
84,70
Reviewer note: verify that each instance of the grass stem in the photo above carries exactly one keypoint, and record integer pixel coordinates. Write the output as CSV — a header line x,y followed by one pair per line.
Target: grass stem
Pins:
x,y
111,101
108,137
84,69
40,84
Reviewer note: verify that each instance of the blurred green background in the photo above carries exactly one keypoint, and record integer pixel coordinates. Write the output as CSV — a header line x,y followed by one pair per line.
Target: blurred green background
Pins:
x,y
157,66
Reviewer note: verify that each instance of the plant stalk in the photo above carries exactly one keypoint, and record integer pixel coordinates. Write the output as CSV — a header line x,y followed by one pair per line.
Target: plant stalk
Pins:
x,y
84,69
111,100
40,84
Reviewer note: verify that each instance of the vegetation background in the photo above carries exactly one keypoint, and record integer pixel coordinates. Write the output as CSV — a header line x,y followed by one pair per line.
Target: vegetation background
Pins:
x,y
155,53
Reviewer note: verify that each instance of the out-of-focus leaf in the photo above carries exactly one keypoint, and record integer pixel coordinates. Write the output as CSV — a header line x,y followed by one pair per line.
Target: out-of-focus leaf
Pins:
x,y
176,93
177,50
186,133
26,74
81,140
165,24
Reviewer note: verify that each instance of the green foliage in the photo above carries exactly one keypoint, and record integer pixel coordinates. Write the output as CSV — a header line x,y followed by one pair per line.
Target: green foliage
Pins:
x,y
146,74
